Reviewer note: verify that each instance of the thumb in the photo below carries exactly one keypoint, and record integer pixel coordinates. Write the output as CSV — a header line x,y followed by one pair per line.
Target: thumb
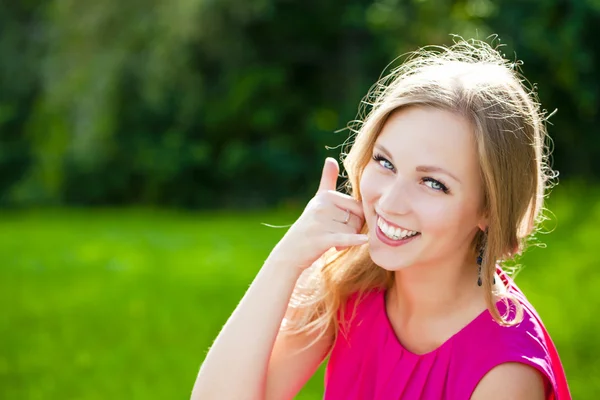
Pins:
x,y
329,176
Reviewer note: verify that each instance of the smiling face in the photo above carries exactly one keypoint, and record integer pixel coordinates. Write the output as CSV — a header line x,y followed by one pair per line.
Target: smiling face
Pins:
x,y
421,191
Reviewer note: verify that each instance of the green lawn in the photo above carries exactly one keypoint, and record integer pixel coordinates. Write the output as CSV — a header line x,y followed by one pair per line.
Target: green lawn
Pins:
x,y
123,304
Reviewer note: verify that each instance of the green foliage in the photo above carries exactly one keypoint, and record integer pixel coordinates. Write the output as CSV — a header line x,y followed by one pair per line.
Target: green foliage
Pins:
x,y
124,304
207,104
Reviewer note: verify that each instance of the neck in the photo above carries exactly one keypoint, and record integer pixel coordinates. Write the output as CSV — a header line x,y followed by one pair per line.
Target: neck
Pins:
x,y
434,290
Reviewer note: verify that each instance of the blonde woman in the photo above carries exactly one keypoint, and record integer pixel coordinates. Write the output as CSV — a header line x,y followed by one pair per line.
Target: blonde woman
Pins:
x,y
399,283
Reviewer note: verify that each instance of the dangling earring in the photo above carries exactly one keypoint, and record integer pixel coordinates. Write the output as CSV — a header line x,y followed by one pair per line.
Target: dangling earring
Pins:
x,y
479,260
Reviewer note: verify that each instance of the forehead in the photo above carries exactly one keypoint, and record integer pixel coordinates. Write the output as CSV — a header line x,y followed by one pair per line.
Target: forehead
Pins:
x,y
431,136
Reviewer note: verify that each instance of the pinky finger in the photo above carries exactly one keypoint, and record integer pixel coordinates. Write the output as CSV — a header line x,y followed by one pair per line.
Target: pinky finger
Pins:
x,y
341,240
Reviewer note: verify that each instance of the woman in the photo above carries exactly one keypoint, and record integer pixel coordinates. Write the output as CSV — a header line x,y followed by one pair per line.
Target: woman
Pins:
x,y
400,282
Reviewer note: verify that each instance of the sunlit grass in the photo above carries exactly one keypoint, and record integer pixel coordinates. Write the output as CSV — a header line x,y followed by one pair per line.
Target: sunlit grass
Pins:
x,y
123,304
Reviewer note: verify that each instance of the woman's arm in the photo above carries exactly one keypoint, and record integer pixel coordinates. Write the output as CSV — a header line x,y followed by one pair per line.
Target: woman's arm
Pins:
x,y
296,357
251,358
236,365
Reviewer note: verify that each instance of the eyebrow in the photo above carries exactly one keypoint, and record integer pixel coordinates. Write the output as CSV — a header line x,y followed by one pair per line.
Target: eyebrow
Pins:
x,y
420,168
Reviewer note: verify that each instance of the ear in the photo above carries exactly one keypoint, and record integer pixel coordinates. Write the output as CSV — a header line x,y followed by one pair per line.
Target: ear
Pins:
x,y
483,223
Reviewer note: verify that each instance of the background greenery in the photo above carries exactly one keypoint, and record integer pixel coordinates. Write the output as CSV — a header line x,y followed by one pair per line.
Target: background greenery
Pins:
x,y
123,304
200,103
143,142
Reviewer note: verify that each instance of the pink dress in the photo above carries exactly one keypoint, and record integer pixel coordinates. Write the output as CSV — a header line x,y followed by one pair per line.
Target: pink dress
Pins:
x,y
369,363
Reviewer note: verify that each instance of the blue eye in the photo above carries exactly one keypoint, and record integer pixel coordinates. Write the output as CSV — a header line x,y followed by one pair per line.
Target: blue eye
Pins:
x,y
384,162
435,185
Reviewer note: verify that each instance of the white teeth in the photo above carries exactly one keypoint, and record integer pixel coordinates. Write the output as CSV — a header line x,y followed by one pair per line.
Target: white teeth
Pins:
x,y
390,231
394,233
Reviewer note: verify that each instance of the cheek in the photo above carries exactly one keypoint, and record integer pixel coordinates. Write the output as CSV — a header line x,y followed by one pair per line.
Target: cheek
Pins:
x,y
368,185
436,214
445,216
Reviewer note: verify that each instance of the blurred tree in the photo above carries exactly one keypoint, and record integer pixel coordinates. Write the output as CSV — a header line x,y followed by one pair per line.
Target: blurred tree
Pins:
x,y
558,39
204,104
20,28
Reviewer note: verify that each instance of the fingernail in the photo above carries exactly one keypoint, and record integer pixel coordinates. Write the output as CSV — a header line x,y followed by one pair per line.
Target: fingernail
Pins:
x,y
364,238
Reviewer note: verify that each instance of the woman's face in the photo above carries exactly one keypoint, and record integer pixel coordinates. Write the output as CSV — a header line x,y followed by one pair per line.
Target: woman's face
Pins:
x,y
421,191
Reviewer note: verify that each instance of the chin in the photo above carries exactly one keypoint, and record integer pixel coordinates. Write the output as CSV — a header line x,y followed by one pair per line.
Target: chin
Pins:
x,y
389,262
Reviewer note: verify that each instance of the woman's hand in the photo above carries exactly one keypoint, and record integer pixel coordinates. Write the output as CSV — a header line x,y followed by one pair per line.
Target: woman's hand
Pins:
x,y
331,219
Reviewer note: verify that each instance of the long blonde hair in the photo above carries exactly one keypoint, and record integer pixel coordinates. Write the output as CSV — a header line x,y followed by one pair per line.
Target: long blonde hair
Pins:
x,y
477,82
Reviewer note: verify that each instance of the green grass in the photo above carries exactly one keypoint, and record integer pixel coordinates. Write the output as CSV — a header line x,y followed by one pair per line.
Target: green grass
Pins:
x,y
123,304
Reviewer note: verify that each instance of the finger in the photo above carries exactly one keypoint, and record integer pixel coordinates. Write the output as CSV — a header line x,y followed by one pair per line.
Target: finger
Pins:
x,y
353,224
345,202
329,176
347,239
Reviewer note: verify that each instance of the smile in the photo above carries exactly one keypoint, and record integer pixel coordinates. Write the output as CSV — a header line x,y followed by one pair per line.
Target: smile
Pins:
x,y
394,233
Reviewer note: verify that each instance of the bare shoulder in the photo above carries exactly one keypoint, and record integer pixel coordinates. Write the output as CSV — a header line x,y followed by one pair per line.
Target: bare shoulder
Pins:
x,y
514,381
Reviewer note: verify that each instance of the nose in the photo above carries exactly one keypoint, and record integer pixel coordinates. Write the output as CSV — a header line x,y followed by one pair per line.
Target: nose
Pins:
x,y
395,199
